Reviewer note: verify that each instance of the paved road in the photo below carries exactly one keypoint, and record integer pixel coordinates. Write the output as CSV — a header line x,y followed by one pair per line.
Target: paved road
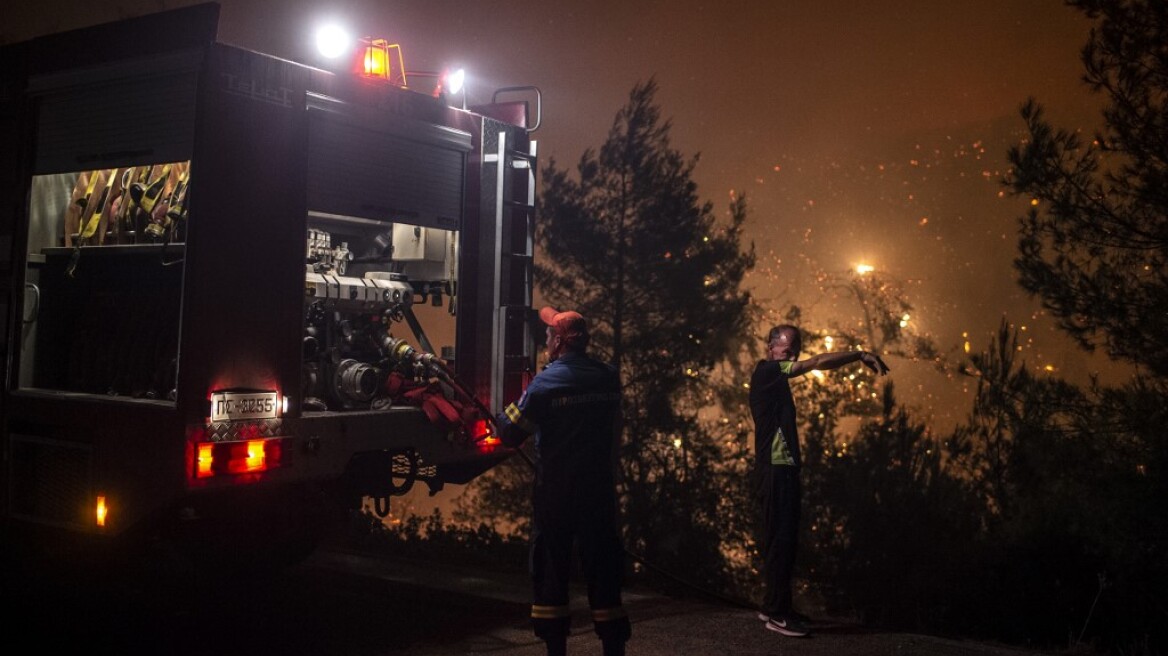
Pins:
x,y
661,626
344,602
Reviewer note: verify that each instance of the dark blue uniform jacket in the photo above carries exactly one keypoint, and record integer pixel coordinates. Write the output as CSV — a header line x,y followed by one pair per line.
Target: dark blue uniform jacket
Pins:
x,y
572,408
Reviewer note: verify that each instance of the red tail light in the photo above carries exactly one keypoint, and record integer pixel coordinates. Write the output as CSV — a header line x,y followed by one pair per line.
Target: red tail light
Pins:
x,y
251,456
484,437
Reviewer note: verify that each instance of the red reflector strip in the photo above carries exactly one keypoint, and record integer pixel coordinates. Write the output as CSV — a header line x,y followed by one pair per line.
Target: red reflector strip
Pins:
x,y
252,456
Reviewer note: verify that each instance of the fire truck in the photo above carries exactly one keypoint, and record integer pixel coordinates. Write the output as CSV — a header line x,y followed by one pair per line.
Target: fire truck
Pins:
x,y
241,295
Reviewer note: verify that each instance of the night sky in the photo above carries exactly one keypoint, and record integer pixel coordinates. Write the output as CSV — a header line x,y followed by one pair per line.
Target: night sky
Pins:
x,y
869,132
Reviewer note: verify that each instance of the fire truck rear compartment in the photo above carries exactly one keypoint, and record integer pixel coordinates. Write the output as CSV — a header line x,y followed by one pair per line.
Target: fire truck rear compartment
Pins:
x,y
207,223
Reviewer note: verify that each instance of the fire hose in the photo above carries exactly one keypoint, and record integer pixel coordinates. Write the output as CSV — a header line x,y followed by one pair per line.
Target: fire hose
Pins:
x,y
401,351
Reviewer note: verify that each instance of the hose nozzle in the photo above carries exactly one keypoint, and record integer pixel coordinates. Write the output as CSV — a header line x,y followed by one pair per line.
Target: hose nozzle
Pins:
x,y
400,351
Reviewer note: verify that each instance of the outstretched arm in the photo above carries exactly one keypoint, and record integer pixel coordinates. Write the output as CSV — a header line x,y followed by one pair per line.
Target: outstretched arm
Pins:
x,y
829,361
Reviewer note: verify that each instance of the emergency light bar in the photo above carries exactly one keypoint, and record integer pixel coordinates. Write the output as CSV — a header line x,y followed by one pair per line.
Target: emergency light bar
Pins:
x,y
378,59
381,60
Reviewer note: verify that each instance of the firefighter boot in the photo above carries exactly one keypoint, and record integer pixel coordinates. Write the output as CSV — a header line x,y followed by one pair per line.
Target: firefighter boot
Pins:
x,y
614,647
558,646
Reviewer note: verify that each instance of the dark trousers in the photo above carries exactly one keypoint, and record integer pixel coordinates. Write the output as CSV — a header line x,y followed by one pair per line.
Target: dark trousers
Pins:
x,y
781,498
590,525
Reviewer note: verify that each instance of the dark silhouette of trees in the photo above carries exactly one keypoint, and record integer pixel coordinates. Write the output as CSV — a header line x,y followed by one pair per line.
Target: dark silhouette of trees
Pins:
x,y
1009,405
1094,245
1075,477
892,527
1070,481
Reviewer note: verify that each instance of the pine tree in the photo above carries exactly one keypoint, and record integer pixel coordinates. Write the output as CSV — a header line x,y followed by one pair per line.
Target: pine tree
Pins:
x,y
1094,246
627,242
887,504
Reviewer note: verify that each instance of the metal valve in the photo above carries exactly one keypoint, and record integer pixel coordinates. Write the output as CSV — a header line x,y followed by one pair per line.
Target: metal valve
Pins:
x,y
400,351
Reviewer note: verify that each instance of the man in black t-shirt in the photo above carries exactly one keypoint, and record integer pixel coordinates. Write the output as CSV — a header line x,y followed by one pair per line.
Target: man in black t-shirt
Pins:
x,y
777,463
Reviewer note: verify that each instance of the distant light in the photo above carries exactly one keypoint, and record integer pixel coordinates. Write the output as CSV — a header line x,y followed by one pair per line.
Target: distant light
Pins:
x,y
101,511
332,41
864,268
455,80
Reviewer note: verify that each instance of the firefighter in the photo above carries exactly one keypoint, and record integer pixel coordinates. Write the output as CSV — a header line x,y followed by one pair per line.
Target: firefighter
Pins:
x,y
572,408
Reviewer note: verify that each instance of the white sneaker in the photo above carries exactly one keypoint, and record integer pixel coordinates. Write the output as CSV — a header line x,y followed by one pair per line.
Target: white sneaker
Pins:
x,y
787,626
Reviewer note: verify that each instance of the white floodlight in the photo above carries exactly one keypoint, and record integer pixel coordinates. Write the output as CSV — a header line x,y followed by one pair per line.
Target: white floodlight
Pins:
x,y
332,41
454,80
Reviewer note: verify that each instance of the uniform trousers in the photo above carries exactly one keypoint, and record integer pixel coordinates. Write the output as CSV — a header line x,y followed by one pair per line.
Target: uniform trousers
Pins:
x,y
587,522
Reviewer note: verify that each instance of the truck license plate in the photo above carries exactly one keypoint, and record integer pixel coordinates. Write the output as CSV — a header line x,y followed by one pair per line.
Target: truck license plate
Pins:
x,y
233,406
